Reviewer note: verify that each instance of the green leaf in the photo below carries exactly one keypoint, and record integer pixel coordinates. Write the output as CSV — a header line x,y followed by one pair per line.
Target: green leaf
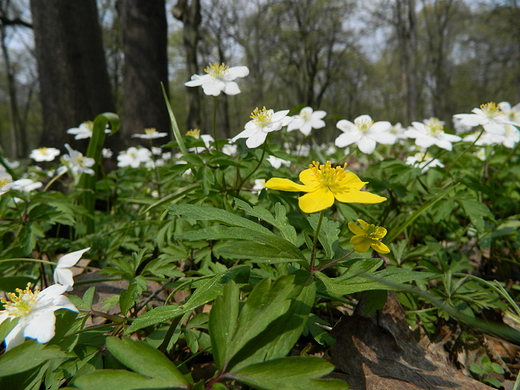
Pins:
x,y
146,360
175,127
280,221
28,355
115,379
328,233
476,211
292,373
11,283
206,213
222,323
205,293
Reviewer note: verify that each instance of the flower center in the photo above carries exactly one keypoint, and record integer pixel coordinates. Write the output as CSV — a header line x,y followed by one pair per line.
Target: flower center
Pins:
x,y
326,175
3,182
150,131
195,133
434,127
375,232
262,117
491,109
43,150
21,305
216,70
363,124
305,115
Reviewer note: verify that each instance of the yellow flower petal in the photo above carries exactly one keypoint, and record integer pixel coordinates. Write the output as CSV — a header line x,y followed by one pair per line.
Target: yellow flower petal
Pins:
x,y
316,201
362,246
286,185
358,197
356,240
379,247
355,228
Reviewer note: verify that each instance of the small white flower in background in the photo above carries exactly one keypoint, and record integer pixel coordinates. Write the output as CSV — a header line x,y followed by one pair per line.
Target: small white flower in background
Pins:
x,y
44,154
399,131
424,161
11,164
155,194
62,273
207,139
133,157
365,133
156,151
513,113
106,153
230,150
84,130
258,186
460,127
77,162
25,185
481,154
489,116
166,156
219,78
278,162
262,123
150,134
35,310
431,132
329,149
511,137
307,120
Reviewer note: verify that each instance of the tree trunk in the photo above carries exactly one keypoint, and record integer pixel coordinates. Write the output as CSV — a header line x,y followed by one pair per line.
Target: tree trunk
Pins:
x,y
145,68
190,16
74,84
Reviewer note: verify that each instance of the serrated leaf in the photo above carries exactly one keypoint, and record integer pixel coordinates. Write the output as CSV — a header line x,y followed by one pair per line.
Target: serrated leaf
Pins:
x,y
476,211
205,293
328,235
291,373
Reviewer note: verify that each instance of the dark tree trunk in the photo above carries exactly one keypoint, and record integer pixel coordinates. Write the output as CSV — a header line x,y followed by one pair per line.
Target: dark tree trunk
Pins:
x,y
72,69
145,68
189,14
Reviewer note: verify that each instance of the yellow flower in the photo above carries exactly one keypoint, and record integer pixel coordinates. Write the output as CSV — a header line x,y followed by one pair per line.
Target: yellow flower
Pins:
x,y
367,236
323,184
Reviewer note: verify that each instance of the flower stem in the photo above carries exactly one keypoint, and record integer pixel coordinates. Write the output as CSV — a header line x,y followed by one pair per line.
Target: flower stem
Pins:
x,y
315,242
215,104
334,262
256,168
462,154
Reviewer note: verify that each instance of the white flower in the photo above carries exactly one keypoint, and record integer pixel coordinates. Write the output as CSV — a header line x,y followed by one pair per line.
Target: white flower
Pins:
x,y
207,139
229,149
35,311
489,116
25,185
44,154
431,132
459,126
77,162
424,161
258,186
150,134
133,157
307,120
365,133
166,155
219,78
278,162
511,137
399,131
84,130
262,123
513,113
5,182
62,272
156,151
106,153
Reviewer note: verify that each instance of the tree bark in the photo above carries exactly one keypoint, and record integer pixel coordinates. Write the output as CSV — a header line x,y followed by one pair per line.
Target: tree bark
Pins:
x,y
145,67
190,16
74,83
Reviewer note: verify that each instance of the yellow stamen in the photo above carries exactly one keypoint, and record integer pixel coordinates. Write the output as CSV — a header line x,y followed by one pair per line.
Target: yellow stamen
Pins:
x,y
363,124
150,131
20,305
216,70
434,127
261,117
195,133
491,109
327,175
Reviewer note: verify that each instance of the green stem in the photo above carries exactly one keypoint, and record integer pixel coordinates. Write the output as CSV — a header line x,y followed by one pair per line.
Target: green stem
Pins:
x,y
315,242
256,168
215,104
64,171
462,154
506,161
334,262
